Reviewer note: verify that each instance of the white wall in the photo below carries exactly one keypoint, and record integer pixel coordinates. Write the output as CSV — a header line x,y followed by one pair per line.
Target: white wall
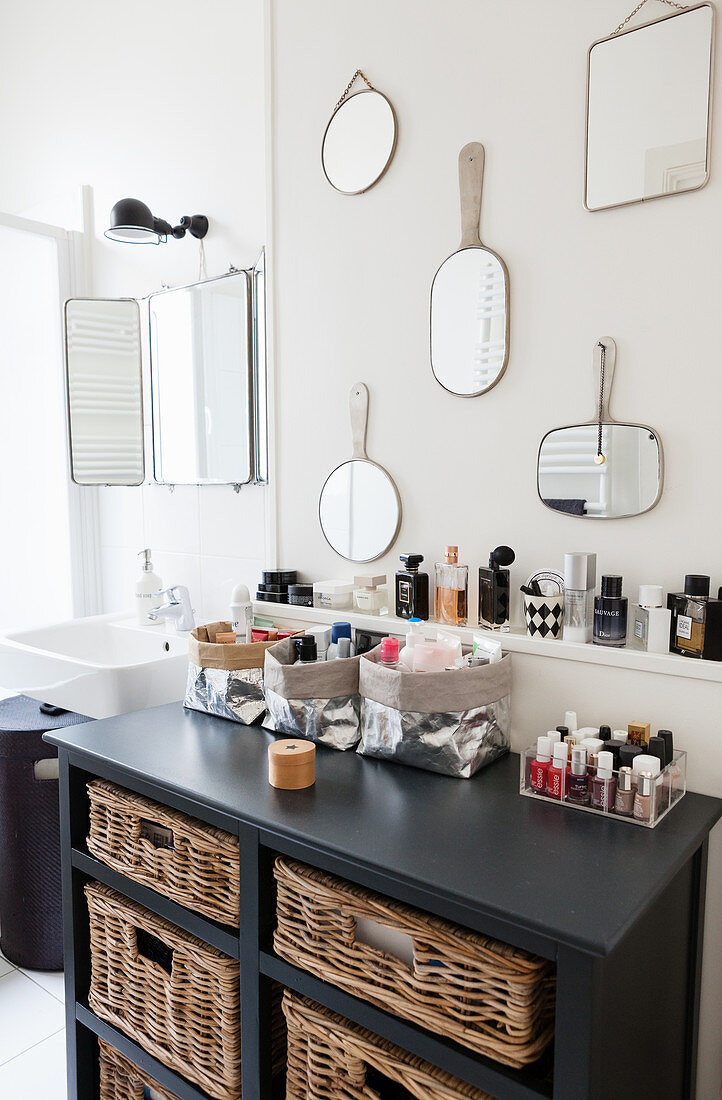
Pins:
x,y
353,277
165,103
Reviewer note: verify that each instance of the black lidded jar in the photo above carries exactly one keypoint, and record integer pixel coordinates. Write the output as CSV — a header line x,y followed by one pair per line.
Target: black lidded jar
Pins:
x,y
412,589
610,614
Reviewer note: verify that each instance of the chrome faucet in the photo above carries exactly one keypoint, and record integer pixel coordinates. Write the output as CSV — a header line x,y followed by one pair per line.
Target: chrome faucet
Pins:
x,y
178,608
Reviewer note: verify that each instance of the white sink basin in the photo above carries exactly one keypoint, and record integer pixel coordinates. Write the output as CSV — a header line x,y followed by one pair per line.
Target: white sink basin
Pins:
x,y
99,666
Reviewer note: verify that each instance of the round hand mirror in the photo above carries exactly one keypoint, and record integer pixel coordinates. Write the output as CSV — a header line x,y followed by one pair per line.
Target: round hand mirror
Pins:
x,y
359,141
359,508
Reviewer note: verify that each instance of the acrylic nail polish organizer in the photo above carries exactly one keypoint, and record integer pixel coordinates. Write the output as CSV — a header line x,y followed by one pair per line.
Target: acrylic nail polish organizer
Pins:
x,y
658,793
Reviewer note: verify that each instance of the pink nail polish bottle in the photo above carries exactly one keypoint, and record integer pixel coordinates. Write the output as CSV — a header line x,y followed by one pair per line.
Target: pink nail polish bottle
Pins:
x,y
604,784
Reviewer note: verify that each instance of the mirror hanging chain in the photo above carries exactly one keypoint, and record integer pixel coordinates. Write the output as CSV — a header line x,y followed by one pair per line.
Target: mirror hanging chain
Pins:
x,y
351,83
669,3
599,457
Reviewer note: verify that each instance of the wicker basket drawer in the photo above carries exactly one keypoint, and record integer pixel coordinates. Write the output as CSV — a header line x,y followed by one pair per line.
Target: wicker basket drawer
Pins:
x,y
486,995
171,993
193,864
332,1059
121,1080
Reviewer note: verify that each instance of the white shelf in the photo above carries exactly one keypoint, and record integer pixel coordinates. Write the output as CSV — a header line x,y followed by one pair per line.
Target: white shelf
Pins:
x,y
516,641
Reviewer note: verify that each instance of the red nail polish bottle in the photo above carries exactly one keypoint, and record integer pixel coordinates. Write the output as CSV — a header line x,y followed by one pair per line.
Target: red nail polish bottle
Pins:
x,y
540,765
558,774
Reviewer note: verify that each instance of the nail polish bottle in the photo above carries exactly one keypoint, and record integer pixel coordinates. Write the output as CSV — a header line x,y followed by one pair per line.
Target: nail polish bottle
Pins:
x,y
412,589
494,603
668,738
578,783
644,798
605,733
558,774
540,765
627,755
657,747
610,614
614,747
593,746
580,580
621,736
604,784
624,798
451,588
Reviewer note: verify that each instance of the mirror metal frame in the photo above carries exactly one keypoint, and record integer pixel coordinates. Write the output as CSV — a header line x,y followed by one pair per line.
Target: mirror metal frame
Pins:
x,y
392,540
607,418
155,410
68,416
633,30
382,173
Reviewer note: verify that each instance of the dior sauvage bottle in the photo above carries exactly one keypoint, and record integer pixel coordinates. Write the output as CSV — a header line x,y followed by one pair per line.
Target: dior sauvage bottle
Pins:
x,y
580,580
610,614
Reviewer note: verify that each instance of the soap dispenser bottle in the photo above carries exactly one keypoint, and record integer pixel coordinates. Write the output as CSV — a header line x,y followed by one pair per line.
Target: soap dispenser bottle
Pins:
x,y
147,591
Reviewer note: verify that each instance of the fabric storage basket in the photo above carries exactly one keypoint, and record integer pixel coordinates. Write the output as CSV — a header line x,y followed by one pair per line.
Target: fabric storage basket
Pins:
x,y
330,1058
452,722
317,701
194,864
121,1080
170,992
488,996
225,680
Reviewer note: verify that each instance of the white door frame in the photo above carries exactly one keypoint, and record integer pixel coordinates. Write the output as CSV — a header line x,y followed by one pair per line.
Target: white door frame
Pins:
x,y
82,501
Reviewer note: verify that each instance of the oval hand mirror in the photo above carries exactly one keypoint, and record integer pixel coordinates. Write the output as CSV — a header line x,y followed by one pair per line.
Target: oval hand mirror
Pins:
x,y
359,141
359,507
470,298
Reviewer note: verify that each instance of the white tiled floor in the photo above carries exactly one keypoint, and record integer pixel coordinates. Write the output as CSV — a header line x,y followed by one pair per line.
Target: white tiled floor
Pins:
x,y
32,1035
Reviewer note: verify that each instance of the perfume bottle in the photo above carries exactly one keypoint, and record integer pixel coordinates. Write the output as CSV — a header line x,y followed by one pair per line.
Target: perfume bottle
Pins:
x,y
610,614
650,621
412,589
494,589
689,613
452,587
580,580
369,594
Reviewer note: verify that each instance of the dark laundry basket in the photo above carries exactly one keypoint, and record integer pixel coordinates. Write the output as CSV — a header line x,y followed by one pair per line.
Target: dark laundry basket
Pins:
x,y
31,926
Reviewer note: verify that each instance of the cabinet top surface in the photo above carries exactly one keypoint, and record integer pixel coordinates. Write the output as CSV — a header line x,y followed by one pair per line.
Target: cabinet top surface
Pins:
x,y
576,878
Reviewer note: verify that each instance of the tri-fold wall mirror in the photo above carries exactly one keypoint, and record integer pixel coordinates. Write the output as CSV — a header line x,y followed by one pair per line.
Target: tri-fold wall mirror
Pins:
x,y
601,469
205,348
649,97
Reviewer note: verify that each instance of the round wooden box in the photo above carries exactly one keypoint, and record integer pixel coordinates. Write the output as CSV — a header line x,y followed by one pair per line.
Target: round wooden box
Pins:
x,y
292,764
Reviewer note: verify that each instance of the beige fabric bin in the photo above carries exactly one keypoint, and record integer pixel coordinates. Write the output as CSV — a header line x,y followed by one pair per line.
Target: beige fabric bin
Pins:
x,y
317,701
453,722
225,680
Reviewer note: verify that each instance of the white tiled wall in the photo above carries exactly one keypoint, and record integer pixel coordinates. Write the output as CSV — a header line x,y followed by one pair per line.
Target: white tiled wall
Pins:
x,y
207,537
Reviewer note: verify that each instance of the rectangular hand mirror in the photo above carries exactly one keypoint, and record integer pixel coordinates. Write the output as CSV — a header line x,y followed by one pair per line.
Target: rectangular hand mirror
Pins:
x,y
648,109
470,298
601,469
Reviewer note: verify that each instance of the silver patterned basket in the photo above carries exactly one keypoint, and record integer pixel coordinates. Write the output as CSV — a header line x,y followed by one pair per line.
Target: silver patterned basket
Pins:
x,y
225,680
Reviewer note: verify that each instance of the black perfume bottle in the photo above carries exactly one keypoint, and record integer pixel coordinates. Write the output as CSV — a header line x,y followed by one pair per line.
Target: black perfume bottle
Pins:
x,y
494,590
412,589
610,614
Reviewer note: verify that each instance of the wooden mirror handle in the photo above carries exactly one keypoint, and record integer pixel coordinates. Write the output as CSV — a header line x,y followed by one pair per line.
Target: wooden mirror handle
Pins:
x,y
471,180
358,404
610,362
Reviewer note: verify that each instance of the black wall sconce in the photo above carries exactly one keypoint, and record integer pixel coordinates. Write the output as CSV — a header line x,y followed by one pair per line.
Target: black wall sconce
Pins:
x,y
131,222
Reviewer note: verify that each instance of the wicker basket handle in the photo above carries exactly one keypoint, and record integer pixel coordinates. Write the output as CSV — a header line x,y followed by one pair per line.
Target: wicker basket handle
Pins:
x,y
144,945
368,931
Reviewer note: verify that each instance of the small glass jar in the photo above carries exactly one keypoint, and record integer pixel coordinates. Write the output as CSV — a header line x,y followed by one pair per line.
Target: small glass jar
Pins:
x,y
370,595
333,595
